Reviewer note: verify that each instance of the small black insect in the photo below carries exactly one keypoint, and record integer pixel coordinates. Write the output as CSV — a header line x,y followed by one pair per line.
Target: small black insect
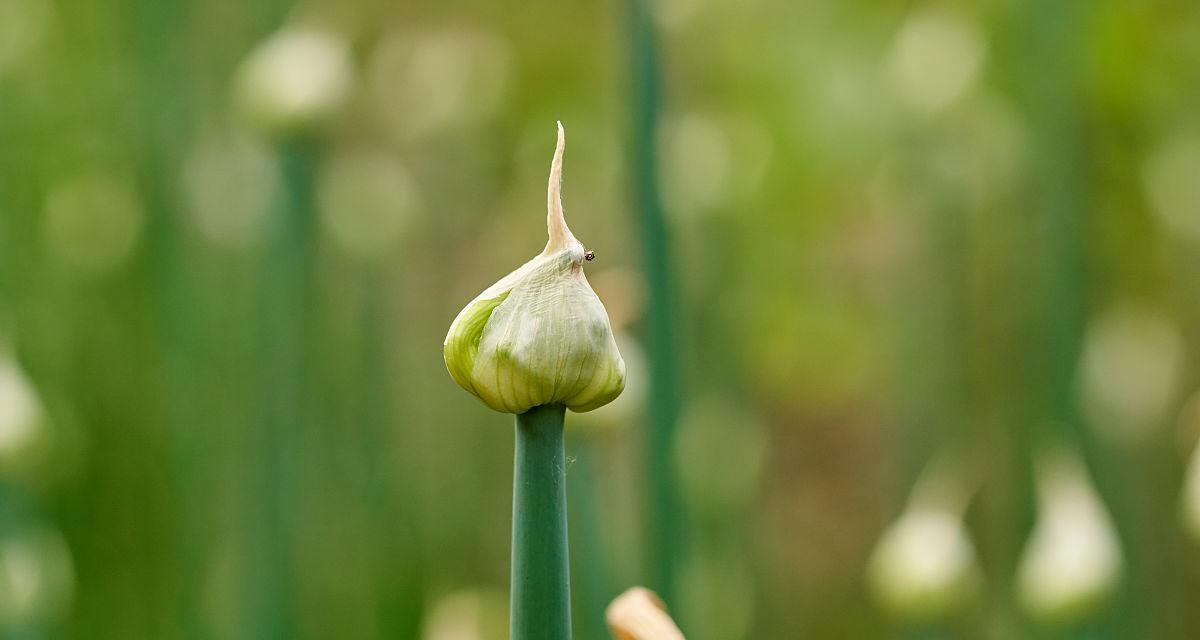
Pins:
x,y
589,256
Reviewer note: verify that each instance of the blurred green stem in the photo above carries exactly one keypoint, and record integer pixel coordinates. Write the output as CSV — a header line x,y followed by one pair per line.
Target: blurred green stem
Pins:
x,y
1054,101
286,334
591,578
663,515
541,590
399,575
163,111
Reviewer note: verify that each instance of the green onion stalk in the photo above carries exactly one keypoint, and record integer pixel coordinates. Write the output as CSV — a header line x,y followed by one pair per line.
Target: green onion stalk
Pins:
x,y
536,343
541,583
591,564
1054,293
664,513
295,117
165,118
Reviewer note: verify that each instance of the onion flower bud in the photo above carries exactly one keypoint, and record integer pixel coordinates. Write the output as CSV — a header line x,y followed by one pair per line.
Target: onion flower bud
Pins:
x,y
539,336
924,568
1072,561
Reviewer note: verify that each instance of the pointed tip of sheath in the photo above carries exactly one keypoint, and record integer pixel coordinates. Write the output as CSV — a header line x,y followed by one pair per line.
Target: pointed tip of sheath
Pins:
x,y
556,223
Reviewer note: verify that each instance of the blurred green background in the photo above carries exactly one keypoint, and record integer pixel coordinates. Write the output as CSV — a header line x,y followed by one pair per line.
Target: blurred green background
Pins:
x,y
909,292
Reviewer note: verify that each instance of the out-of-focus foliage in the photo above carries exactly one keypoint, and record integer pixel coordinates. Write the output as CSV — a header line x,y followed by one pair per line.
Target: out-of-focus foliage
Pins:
x,y
233,234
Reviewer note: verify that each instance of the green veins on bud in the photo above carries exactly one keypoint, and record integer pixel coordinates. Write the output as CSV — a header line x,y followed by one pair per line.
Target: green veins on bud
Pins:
x,y
540,335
